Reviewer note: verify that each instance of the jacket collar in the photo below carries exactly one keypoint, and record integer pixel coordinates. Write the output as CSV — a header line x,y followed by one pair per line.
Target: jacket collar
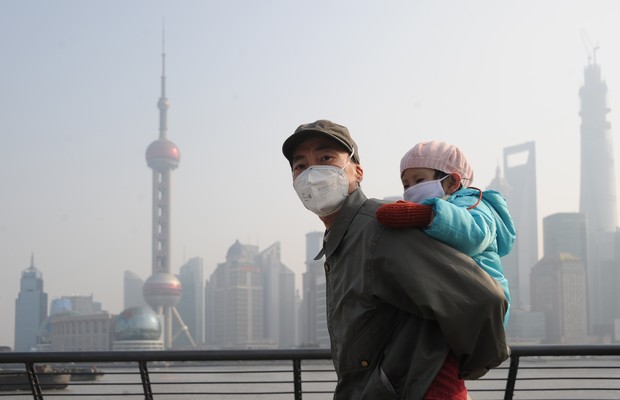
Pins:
x,y
333,236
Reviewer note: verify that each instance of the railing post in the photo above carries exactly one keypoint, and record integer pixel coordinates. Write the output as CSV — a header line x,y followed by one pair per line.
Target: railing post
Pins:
x,y
297,378
146,381
512,377
34,382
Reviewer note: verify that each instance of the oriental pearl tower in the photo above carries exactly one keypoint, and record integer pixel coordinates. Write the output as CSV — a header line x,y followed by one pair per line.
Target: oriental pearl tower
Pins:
x,y
162,290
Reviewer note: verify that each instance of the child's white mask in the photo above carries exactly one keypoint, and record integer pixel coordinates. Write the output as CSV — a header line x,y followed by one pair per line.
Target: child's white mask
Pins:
x,y
425,190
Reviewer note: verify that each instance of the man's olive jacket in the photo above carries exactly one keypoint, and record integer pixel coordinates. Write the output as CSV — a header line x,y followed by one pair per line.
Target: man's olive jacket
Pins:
x,y
398,301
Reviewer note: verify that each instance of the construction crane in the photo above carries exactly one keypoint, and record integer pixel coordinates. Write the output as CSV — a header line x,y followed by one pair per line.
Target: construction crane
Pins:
x,y
589,47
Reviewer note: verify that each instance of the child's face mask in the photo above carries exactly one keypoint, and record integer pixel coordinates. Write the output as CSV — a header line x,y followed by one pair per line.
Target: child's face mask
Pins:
x,y
425,190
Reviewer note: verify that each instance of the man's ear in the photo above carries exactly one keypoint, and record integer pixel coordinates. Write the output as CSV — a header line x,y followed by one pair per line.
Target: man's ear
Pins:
x,y
359,173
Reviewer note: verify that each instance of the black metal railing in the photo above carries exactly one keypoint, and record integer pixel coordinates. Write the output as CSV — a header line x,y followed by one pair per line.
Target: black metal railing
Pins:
x,y
532,372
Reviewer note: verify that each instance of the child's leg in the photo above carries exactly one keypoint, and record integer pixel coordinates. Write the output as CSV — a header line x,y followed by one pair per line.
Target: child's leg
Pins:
x,y
447,385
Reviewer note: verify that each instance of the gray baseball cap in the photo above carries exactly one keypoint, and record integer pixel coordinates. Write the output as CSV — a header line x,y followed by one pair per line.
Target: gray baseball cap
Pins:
x,y
321,127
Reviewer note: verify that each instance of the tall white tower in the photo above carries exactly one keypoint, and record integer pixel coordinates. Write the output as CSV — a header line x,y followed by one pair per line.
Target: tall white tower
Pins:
x,y
598,179
162,290
598,201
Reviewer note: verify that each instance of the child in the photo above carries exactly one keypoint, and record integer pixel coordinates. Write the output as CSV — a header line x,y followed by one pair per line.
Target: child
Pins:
x,y
434,175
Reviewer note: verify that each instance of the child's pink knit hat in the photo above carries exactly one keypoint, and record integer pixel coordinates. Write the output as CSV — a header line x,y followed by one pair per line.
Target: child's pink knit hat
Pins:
x,y
440,156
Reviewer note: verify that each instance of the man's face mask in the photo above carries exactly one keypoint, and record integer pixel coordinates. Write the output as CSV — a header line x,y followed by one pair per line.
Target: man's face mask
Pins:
x,y
323,189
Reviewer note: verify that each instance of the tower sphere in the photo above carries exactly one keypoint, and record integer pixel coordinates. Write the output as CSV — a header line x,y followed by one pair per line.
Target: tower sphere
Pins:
x,y
163,155
163,103
137,323
162,290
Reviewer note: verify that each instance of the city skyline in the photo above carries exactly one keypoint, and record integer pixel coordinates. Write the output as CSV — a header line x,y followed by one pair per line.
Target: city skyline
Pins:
x,y
79,110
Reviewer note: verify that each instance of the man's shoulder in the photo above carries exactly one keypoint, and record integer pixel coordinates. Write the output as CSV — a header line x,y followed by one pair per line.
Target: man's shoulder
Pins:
x,y
371,205
358,205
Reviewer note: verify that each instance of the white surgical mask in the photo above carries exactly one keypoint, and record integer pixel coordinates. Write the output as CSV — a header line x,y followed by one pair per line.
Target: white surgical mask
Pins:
x,y
425,190
322,188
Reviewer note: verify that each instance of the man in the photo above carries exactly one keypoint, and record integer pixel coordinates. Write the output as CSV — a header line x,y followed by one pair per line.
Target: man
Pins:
x,y
397,300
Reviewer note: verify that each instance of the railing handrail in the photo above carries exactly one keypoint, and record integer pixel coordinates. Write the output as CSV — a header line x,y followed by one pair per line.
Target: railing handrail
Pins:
x,y
295,355
275,354
565,350
164,355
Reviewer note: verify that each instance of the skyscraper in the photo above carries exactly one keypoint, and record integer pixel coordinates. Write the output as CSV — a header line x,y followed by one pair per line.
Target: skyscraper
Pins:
x,y
30,308
279,297
565,233
82,305
520,175
312,312
598,200
234,301
191,305
598,179
511,272
250,300
162,290
559,291
560,278
132,290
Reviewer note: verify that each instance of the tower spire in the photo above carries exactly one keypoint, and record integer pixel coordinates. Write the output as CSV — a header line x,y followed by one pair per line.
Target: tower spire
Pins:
x,y
163,104
163,49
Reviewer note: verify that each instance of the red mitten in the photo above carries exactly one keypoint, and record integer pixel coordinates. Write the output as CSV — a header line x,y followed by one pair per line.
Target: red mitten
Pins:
x,y
404,214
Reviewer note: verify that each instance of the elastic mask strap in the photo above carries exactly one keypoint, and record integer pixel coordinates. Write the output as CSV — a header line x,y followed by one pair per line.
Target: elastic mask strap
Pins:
x,y
348,159
479,197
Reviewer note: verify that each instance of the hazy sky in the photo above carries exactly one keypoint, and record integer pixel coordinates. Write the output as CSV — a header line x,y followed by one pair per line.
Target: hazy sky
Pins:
x,y
79,83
